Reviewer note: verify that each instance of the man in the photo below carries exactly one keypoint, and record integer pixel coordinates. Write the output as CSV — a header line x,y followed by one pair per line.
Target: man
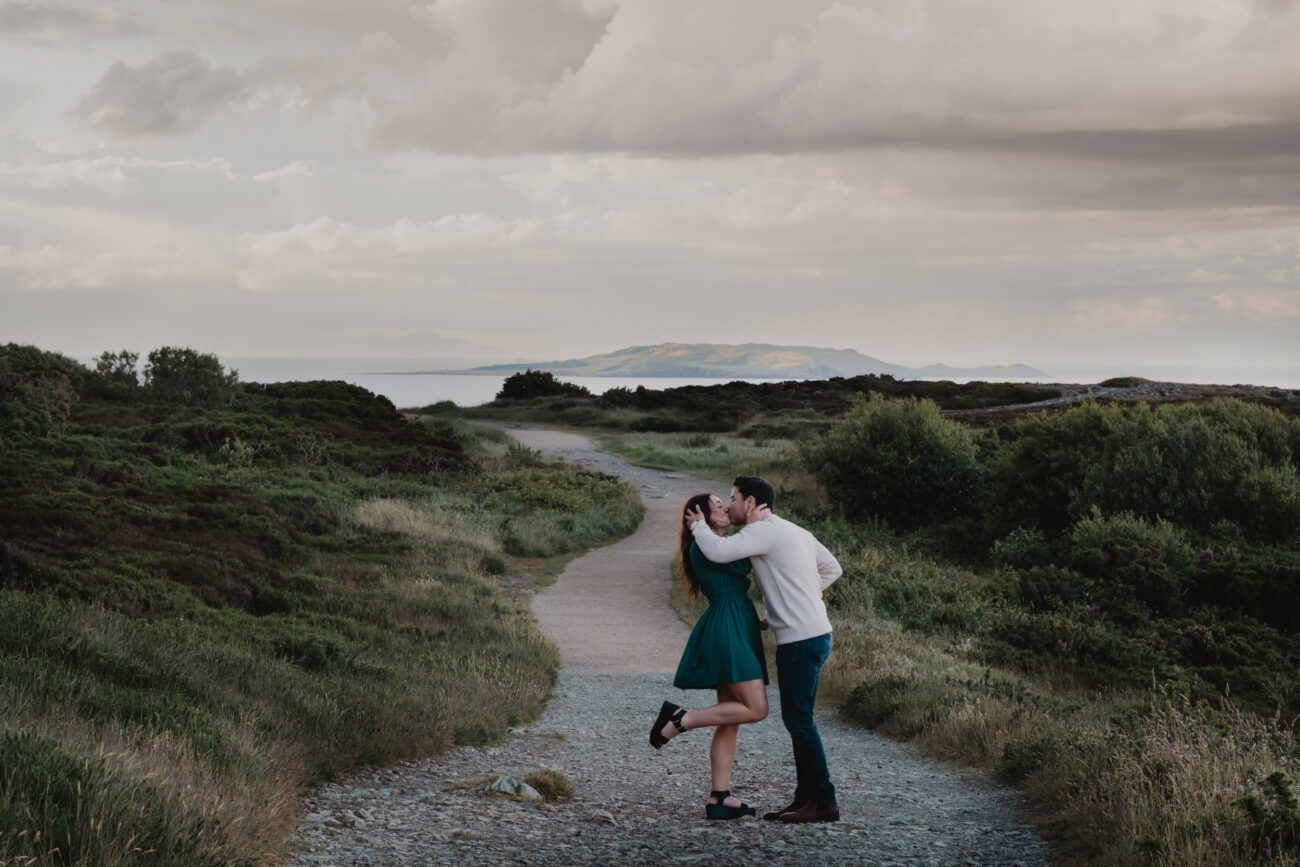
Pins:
x,y
793,569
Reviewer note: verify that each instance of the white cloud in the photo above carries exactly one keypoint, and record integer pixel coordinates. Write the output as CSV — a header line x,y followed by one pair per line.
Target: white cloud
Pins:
x,y
55,268
109,174
295,170
327,236
1259,305
1136,316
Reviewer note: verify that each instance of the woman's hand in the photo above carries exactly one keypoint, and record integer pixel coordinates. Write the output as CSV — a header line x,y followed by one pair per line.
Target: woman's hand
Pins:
x,y
763,624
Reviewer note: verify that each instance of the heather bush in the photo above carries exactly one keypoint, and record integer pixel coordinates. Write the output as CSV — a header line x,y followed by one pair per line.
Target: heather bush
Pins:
x,y
897,460
1195,465
186,376
537,383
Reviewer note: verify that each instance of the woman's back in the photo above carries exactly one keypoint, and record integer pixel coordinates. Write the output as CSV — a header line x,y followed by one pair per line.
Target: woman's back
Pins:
x,y
719,580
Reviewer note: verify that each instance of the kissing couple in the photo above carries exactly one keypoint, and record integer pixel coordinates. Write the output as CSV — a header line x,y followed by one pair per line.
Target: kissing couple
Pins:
x,y
725,650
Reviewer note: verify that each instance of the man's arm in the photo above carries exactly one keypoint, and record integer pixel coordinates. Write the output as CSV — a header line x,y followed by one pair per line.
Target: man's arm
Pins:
x,y
749,542
828,568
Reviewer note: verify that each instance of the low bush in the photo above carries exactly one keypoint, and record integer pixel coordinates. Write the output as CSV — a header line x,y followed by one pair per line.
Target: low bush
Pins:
x,y
1195,465
899,461
537,383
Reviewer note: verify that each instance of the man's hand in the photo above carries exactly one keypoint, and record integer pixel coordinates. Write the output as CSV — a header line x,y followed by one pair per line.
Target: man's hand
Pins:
x,y
693,515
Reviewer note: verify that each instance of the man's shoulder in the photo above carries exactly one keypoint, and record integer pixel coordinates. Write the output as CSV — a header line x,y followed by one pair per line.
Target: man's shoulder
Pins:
x,y
790,527
777,526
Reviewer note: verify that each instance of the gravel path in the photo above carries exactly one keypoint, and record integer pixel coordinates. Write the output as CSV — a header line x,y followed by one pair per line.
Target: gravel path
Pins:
x,y
619,642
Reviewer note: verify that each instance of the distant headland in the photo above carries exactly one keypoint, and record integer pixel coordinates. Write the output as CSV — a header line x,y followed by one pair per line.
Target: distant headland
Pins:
x,y
750,361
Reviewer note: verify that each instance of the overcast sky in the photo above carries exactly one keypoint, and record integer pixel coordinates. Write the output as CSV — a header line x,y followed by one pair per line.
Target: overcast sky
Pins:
x,y
958,181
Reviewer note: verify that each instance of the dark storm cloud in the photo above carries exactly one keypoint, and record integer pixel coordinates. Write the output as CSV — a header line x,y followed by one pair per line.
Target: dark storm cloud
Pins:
x,y
170,95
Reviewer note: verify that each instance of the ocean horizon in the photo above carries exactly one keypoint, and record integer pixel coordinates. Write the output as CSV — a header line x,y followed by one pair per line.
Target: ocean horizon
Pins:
x,y
422,381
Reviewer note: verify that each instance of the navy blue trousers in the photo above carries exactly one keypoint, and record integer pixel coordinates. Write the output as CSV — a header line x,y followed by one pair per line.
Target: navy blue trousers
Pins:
x,y
798,668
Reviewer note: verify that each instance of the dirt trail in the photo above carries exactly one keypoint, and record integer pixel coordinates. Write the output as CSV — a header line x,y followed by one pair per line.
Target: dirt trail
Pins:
x,y
609,610
620,642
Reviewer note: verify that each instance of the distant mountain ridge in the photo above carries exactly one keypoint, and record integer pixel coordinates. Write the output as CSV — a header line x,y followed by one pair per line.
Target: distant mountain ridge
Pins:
x,y
751,361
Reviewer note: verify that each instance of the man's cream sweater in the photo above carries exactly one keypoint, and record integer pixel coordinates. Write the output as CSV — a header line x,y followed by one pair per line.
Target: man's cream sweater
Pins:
x,y
793,569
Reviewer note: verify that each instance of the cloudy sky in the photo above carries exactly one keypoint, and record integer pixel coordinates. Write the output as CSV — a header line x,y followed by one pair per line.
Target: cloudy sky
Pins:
x,y
959,181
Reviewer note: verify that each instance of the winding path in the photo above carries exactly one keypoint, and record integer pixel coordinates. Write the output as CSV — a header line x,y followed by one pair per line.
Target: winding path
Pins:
x,y
619,641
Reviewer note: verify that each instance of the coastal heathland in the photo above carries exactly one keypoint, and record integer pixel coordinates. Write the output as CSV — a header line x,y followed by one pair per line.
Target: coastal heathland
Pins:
x,y
1097,602
214,595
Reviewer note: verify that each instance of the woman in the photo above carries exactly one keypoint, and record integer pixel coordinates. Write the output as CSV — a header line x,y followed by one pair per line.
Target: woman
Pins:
x,y
724,652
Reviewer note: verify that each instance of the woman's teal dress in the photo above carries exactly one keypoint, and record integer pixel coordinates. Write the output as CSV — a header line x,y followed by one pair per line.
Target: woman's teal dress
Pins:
x,y
726,645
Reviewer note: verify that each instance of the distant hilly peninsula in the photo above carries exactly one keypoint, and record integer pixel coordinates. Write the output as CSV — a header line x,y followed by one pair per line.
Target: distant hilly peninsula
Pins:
x,y
751,361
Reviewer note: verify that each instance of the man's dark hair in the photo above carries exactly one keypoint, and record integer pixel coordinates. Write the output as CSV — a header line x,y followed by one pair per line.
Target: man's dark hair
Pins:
x,y
759,489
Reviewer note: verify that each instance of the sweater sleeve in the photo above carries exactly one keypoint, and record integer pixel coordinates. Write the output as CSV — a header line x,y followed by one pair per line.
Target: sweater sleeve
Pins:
x,y
828,568
749,542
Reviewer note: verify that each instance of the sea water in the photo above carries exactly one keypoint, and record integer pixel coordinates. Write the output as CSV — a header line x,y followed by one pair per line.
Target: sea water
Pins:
x,y
411,383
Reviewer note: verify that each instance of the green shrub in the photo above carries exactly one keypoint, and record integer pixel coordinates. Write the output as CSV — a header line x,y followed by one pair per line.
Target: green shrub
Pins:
x,y
1050,588
186,376
702,422
898,460
537,383
876,702
1128,555
1026,755
1261,582
37,390
1021,548
1273,818
1193,464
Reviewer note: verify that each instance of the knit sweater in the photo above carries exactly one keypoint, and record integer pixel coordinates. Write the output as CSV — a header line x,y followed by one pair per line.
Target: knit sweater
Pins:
x,y
792,567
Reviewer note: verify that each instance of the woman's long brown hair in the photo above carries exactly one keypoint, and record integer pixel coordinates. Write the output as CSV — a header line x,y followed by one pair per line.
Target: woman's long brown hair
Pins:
x,y
690,583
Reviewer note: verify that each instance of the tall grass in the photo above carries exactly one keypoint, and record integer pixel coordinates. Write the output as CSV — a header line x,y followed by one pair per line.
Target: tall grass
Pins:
x,y
1118,776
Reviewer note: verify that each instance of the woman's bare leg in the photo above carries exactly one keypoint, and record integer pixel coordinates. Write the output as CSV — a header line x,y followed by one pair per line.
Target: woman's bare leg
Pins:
x,y
722,752
745,702
722,755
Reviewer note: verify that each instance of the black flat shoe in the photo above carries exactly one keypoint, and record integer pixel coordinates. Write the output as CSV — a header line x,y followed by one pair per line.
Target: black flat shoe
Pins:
x,y
722,811
668,713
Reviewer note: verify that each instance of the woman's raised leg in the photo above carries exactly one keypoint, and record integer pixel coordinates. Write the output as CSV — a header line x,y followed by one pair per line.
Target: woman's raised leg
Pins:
x,y
745,702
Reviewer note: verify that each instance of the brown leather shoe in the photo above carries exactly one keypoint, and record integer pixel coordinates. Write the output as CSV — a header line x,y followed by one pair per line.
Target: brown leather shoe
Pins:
x,y
811,812
773,815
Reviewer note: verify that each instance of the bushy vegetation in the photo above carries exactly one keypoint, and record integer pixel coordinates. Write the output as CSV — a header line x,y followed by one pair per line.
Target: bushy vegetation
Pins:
x,y
899,461
1198,465
774,410
183,375
213,594
1111,623
537,383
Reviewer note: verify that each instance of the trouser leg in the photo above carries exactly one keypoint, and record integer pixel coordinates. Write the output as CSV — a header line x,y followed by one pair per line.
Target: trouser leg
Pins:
x,y
798,667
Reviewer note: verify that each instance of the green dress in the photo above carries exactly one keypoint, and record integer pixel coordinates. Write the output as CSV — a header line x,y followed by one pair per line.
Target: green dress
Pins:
x,y
726,645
